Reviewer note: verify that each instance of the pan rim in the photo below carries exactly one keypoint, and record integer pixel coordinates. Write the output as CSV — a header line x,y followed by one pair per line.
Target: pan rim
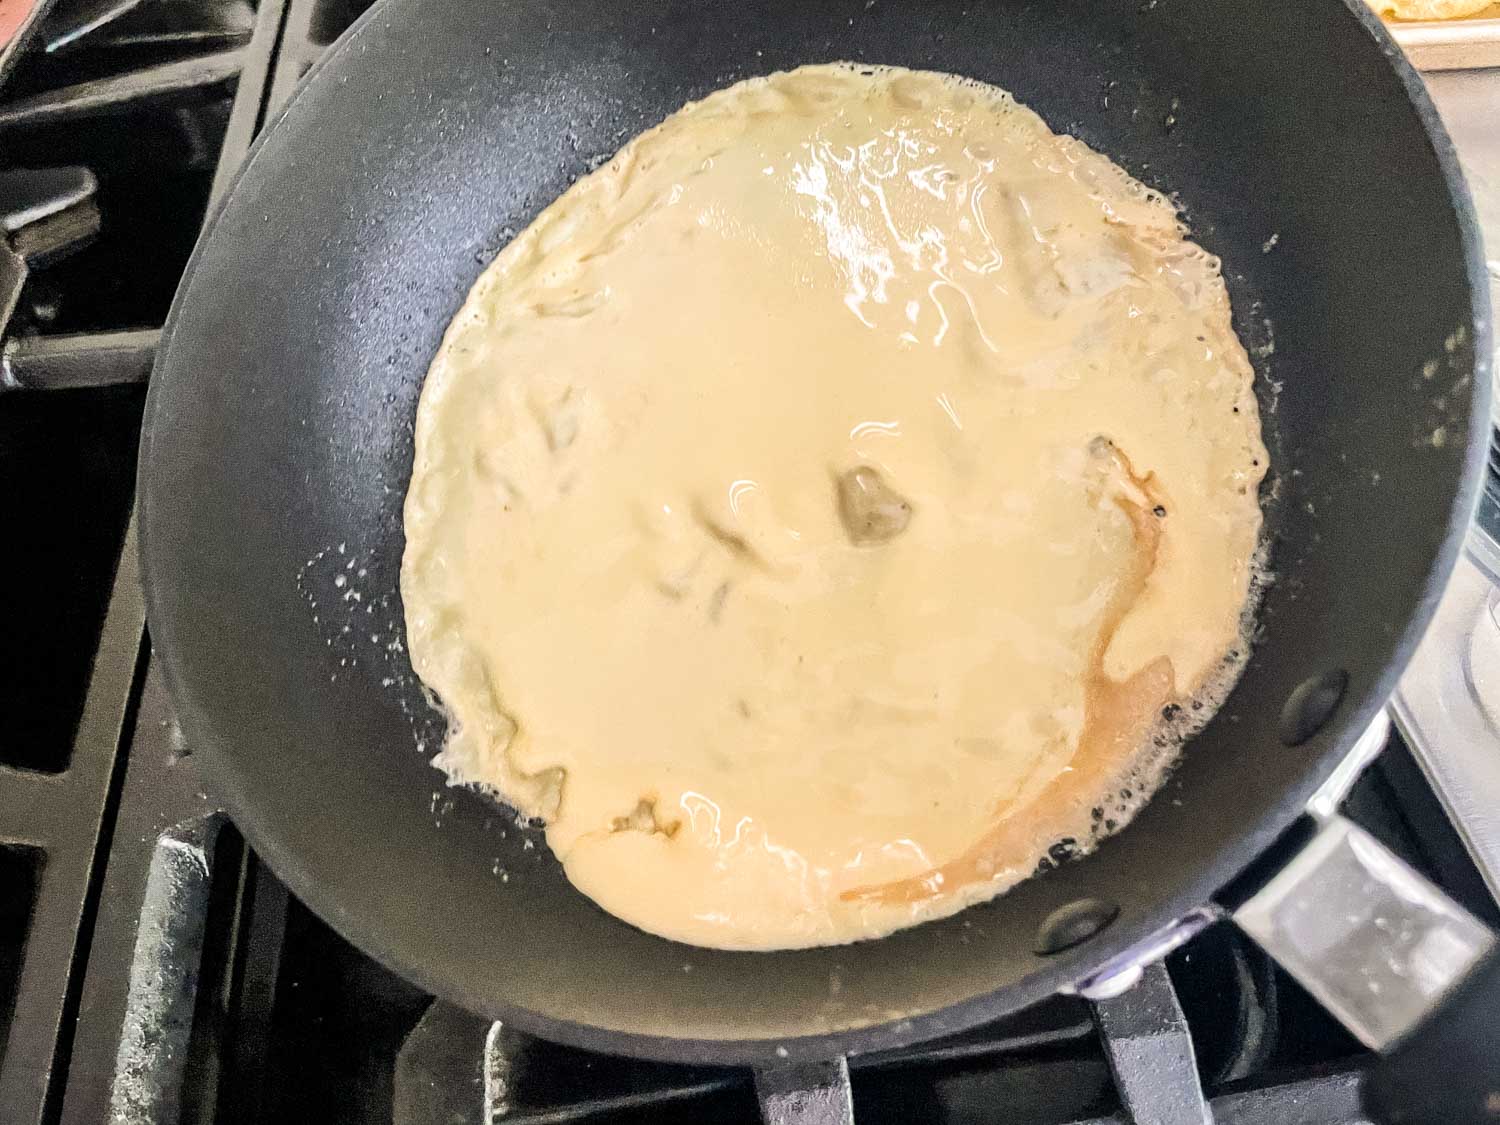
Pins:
x,y
1212,874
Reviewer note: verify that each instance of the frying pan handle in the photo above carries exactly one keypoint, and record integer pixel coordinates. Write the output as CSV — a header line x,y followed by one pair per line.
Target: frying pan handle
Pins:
x,y
1407,970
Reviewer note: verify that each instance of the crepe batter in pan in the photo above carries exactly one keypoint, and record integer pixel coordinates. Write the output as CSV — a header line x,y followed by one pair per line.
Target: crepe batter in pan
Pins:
x,y
815,510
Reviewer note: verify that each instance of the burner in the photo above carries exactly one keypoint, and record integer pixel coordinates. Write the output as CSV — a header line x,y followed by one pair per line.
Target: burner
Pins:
x,y
45,214
152,969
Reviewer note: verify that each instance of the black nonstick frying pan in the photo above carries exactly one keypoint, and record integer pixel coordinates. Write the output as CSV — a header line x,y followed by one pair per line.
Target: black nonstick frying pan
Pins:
x,y
278,446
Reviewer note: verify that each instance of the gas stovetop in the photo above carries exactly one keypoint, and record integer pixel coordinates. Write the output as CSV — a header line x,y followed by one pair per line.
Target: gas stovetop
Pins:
x,y
152,970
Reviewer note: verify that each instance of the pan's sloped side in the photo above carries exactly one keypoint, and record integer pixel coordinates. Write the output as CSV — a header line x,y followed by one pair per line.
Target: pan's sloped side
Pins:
x,y
279,444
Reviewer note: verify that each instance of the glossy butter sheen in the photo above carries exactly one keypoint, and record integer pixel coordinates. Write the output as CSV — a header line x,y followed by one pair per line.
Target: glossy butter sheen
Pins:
x,y
626,574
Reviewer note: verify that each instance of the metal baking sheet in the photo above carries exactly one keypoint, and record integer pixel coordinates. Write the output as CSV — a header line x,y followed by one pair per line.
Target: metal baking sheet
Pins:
x,y
1462,44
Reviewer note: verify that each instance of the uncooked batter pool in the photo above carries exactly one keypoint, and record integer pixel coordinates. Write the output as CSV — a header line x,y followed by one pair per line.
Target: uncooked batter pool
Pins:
x,y
816,508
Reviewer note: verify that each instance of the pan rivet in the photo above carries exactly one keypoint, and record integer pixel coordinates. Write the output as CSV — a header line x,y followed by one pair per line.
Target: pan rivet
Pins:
x,y
1074,923
1311,704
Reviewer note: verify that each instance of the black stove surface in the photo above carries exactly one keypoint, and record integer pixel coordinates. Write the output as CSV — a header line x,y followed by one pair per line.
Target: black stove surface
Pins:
x,y
151,969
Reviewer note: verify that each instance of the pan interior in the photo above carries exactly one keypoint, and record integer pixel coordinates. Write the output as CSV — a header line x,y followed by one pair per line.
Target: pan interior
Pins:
x,y
279,447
